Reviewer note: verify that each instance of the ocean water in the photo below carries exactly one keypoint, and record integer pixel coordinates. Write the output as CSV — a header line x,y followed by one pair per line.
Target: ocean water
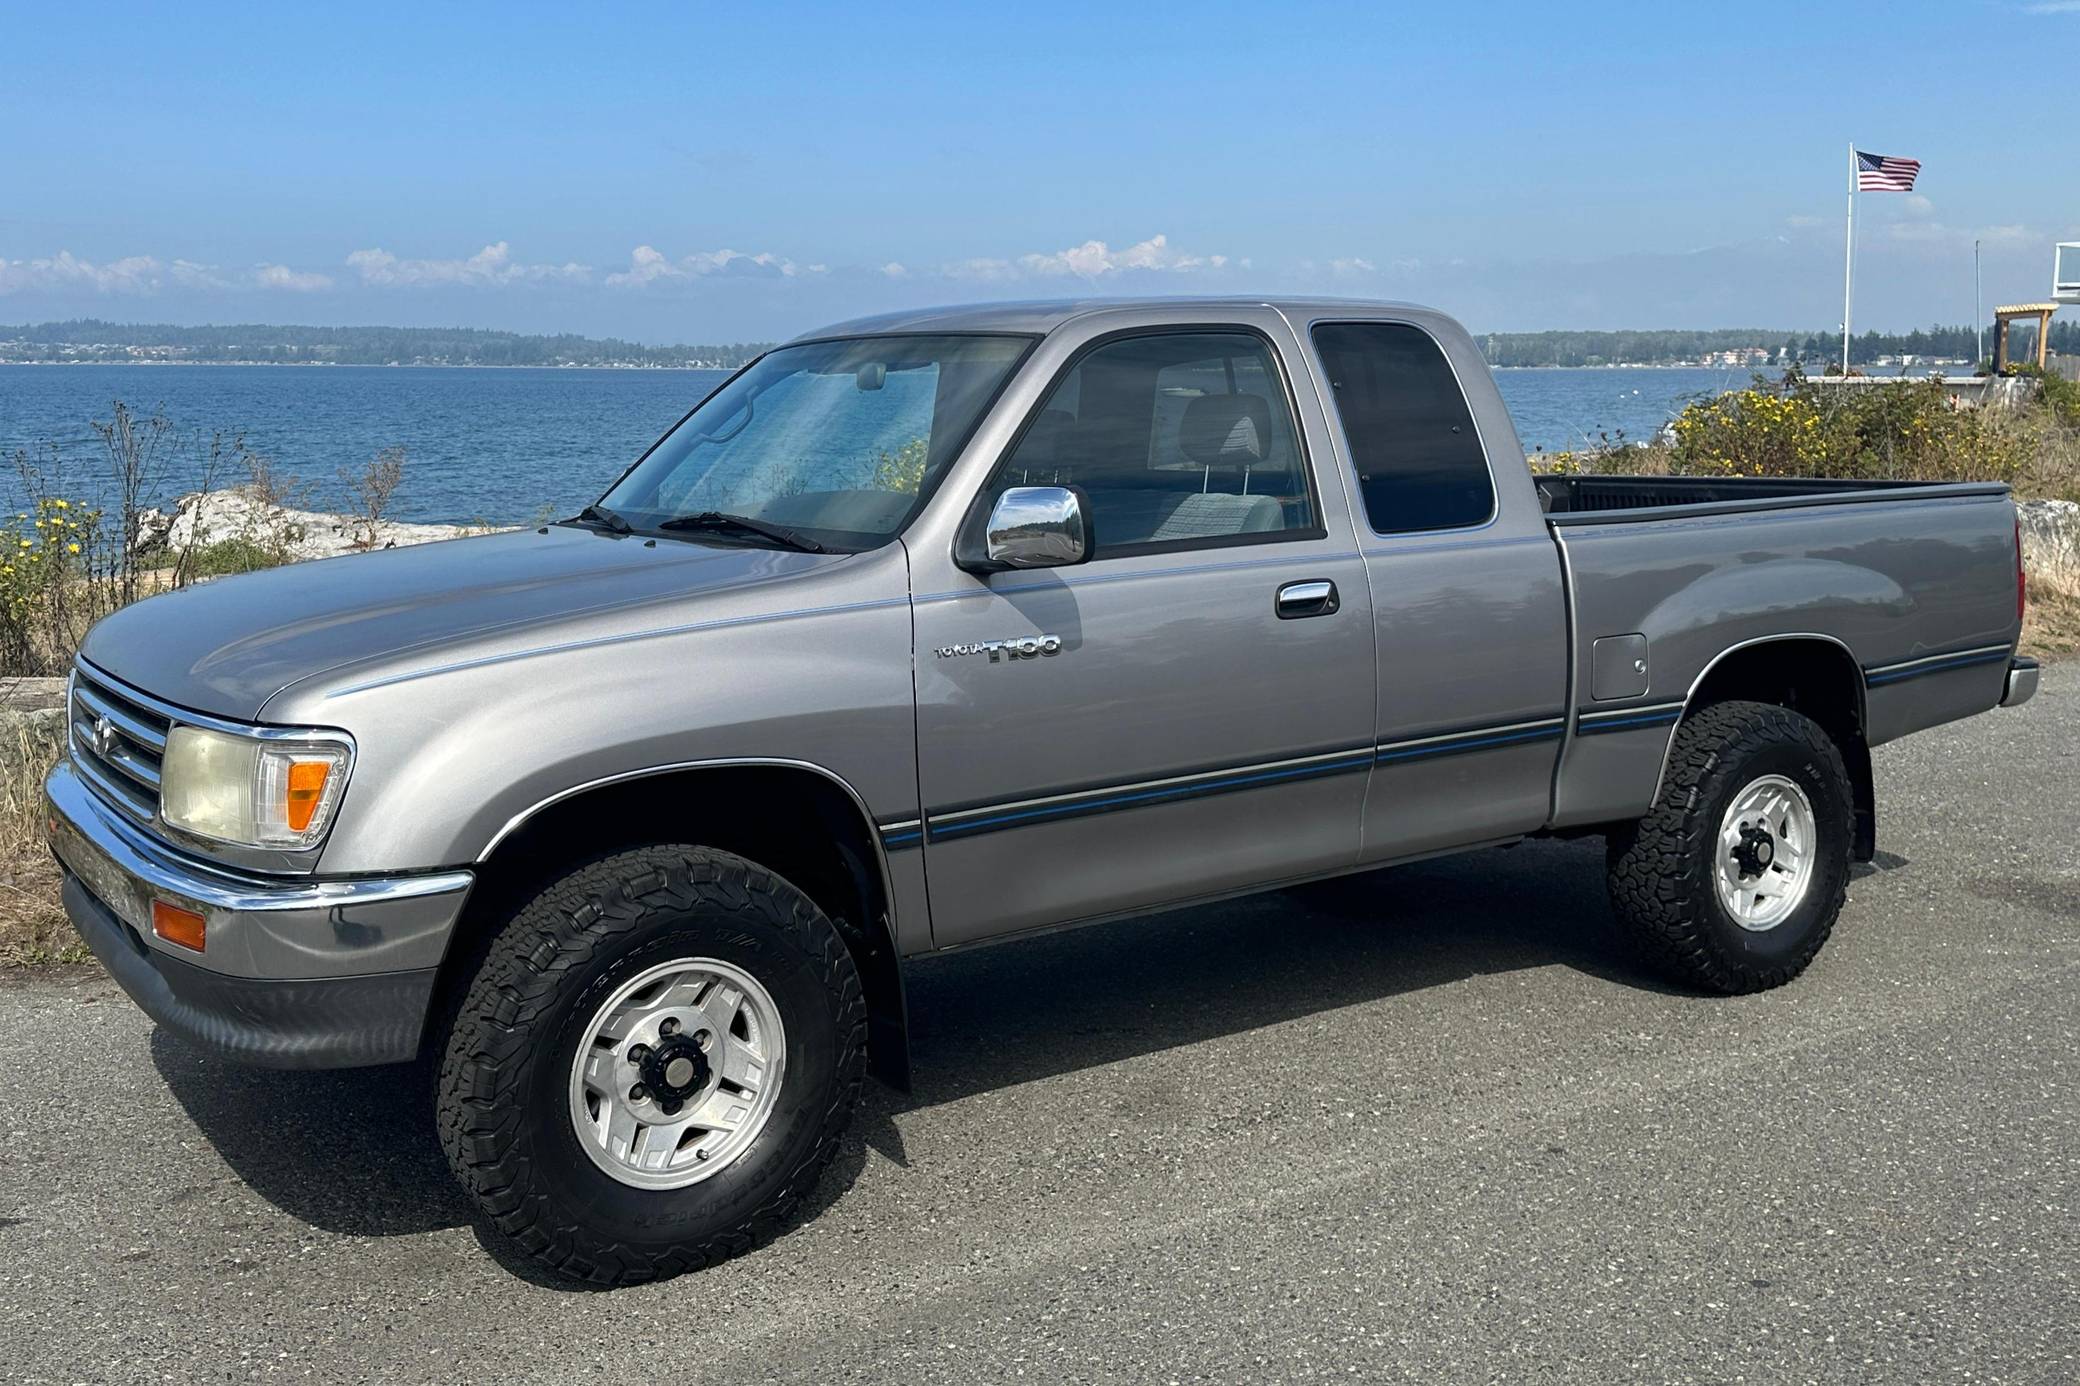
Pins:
x,y
499,445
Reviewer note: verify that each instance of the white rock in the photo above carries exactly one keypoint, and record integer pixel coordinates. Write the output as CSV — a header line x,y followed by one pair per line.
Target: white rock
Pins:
x,y
201,520
2050,531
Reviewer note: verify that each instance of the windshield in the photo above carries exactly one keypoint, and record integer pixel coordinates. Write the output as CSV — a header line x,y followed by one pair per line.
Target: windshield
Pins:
x,y
836,441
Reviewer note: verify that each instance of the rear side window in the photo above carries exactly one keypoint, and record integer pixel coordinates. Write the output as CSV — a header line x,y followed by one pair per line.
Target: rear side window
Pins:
x,y
1411,436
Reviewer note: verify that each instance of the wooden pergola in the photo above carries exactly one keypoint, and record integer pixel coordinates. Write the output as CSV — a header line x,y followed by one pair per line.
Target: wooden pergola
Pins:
x,y
2003,316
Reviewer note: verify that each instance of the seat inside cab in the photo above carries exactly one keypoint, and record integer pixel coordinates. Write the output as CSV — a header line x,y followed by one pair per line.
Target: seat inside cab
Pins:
x,y
1174,438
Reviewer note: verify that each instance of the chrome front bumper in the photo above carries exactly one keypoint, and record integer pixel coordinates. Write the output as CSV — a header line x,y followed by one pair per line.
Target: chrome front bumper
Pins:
x,y
2022,682
295,973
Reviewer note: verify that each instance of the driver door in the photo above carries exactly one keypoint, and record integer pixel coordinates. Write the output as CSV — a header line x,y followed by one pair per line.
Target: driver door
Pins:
x,y
1194,713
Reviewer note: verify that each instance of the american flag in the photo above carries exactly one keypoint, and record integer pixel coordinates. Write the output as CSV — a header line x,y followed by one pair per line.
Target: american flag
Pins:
x,y
1879,173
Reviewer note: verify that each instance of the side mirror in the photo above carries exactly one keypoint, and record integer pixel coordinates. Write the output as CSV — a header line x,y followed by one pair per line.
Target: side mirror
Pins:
x,y
1035,527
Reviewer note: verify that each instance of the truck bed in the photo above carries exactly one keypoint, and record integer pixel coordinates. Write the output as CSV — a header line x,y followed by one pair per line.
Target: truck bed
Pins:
x,y
1911,585
1620,499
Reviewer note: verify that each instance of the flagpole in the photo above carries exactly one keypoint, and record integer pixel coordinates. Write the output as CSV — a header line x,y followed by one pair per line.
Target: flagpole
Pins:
x,y
1848,258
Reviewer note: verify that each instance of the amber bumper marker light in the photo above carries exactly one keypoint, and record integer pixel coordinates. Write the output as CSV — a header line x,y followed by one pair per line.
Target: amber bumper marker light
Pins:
x,y
177,925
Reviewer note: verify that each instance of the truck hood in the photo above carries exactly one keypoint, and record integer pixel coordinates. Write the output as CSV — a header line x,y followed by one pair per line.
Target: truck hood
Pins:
x,y
228,646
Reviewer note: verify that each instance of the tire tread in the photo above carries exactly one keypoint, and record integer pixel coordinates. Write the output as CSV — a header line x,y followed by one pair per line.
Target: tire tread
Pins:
x,y
490,1047
1659,879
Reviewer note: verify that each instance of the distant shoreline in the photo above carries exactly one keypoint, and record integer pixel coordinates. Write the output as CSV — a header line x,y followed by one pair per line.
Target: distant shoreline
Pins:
x,y
1932,368
379,365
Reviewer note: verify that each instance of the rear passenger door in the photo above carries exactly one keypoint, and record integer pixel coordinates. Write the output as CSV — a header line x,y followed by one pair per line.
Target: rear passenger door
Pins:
x,y
1467,593
1206,721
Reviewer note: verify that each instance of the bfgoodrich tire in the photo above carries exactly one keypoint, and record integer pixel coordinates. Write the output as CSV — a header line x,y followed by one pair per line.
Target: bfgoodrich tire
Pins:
x,y
1732,881
652,1065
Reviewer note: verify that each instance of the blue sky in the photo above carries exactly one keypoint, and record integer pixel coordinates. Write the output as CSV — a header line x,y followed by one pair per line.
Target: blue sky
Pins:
x,y
710,173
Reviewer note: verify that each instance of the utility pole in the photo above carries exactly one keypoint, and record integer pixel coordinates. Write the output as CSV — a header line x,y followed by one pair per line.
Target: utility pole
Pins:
x,y
1978,308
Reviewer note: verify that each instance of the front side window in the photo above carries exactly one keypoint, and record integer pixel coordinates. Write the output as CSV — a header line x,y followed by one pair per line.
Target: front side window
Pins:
x,y
1411,437
839,441
1179,439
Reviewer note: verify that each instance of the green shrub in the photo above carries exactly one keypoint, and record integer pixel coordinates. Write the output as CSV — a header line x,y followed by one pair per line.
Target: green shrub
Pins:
x,y
1909,431
2062,397
227,556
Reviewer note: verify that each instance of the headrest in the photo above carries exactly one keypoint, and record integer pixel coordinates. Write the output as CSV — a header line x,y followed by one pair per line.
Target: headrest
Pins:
x,y
1225,430
1046,443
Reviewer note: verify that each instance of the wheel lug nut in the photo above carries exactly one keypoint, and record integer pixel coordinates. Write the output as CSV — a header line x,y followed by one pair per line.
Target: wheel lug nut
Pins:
x,y
703,1038
638,1052
638,1093
668,1027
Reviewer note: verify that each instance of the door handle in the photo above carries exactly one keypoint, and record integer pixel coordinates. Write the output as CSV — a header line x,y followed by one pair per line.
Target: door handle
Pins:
x,y
1298,599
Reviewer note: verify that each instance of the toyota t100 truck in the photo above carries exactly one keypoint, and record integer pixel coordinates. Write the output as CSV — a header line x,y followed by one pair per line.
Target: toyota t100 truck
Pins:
x,y
945,627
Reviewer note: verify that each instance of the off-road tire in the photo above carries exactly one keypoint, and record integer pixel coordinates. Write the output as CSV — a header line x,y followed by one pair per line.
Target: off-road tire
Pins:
x,y
1660,869
502,1097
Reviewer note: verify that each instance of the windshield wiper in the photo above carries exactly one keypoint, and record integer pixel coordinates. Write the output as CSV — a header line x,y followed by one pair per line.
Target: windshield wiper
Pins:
x,y
715,519
604,518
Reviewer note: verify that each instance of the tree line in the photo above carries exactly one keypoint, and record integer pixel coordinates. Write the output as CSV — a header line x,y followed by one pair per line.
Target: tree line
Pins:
x,y
90,339
1651,348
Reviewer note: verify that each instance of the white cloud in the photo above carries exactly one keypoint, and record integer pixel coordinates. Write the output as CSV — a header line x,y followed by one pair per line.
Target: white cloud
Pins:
x,y
896,269
1091,261
296,281
648,265
492,266
1935,233
144,275
1096,260
987,270
2053,7
133,274
1351,265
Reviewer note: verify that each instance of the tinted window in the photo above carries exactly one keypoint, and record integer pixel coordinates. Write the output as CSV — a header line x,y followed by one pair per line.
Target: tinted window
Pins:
x,y
1411,436
1178,438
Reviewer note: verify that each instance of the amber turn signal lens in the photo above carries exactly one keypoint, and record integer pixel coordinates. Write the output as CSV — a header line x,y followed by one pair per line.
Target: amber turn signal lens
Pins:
x,y
306,788
177,925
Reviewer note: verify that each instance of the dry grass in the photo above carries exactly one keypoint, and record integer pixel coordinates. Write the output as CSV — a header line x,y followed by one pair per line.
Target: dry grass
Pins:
x,y
33,928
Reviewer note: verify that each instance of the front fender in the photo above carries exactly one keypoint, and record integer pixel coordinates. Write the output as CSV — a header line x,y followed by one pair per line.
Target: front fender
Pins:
x,y
453,754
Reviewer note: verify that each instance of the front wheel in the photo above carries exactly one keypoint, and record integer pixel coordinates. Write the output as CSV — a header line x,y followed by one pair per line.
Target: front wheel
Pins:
x,y
653,1064
1733,880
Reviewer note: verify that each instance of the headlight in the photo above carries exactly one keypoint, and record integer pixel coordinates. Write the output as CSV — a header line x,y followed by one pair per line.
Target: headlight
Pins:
x,y
249,791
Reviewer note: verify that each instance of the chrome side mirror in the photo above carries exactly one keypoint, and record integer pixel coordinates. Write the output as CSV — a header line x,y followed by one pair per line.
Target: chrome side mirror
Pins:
x,y
1038,527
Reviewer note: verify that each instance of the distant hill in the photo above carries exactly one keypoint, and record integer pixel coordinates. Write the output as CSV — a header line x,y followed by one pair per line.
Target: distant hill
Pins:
x,y
1752,345
89,339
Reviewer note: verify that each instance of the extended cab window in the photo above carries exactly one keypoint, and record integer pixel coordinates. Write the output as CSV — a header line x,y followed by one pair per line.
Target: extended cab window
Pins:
x,y
1180,439
1410,434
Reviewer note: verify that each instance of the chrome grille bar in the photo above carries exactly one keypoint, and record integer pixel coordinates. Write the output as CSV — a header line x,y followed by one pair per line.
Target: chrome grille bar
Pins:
x,y
130,723
117,744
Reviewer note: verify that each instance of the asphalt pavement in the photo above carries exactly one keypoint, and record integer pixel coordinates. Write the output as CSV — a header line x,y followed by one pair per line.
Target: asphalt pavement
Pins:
x,y
1427,1125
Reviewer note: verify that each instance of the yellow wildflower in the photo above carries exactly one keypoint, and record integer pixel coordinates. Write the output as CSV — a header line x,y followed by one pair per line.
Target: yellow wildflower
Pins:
x,y
72,548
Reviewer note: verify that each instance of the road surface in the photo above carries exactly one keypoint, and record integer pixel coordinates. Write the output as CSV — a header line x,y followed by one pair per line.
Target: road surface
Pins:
x,y
1426,1125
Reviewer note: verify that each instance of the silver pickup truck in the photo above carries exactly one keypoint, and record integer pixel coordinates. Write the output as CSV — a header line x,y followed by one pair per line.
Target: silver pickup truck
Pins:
x,y
945,627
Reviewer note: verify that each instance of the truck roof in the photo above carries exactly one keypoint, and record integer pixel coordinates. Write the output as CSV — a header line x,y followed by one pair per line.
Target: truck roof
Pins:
x,y
1044,315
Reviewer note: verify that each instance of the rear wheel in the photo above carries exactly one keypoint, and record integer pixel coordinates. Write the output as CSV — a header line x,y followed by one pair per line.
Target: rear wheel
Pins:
x,y
1733,880
653,1064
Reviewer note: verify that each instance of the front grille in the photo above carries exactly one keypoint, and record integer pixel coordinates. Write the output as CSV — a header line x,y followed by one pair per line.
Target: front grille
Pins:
x,y
117,743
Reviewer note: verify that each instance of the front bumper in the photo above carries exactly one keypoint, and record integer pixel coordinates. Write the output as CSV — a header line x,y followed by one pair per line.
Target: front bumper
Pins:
x,y
295,973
